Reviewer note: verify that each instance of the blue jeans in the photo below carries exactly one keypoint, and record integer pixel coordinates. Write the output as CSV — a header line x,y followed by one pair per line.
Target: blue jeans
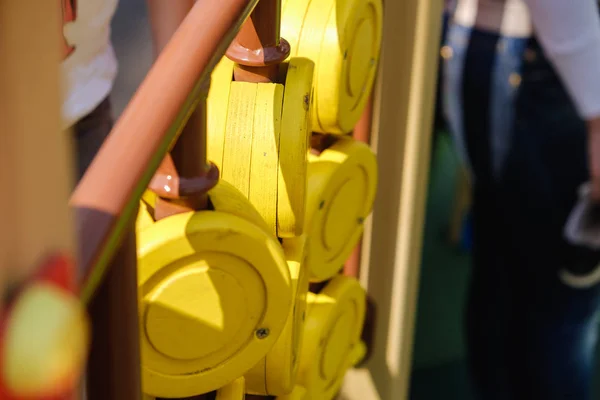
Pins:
x,y
90,133
530,335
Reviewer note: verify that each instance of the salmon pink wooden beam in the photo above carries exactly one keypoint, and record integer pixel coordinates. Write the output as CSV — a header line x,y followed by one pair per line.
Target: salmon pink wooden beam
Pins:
x,y
107,196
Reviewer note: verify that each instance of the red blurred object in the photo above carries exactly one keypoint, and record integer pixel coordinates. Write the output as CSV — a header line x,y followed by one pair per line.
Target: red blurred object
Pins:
x,y
58,270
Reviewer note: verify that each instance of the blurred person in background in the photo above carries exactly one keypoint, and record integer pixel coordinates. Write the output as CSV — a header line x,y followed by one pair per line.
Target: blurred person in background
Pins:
x,y
89,69
89,66
522,99
440,122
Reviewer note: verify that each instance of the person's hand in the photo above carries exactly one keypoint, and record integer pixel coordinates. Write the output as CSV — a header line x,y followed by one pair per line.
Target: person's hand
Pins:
x,y
594,157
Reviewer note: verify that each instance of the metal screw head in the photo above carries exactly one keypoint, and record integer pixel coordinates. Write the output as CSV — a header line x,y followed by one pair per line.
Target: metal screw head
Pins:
x,y
262,333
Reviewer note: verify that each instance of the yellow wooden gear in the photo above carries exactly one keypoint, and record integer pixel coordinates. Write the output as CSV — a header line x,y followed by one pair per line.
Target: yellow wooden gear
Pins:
x,y
223,197
332,331
293,148
215,292
276,373
343,38
342,181
258,135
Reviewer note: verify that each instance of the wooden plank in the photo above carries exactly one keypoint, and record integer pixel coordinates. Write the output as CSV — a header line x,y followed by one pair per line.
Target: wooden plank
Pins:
x,y
402,125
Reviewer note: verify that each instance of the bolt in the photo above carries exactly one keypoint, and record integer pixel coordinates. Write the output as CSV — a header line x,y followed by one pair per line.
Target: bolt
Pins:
x,y
262,333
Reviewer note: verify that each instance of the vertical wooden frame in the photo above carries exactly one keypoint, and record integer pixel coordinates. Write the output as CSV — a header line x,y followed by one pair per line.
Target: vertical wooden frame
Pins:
x,y
391,256
35,154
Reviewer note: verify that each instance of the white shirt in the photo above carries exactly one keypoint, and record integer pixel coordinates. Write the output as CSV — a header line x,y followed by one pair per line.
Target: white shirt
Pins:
x,y
569,32
90,66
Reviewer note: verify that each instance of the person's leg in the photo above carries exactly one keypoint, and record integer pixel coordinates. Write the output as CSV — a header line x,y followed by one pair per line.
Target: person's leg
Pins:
x,y
89,134
439,119
470,87
554,329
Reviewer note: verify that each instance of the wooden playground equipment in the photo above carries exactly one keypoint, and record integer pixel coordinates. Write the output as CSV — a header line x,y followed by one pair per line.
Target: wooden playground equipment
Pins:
x,y
222,279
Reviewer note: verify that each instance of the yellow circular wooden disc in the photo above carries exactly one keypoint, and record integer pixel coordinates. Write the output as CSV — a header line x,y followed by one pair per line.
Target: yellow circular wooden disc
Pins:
x,y
46,342
342,182
215,294
236,390
276,373
223,197
333,327
217,105
293,148
226,198
343,38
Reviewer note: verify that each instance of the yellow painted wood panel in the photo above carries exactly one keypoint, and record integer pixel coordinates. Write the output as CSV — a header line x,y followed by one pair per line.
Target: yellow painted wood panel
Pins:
x,y
237,151
264,164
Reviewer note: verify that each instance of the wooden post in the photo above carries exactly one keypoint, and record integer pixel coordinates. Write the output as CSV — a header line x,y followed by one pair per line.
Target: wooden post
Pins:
x,y
114,363
35,155
362,133
258,49
184,177
403,122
